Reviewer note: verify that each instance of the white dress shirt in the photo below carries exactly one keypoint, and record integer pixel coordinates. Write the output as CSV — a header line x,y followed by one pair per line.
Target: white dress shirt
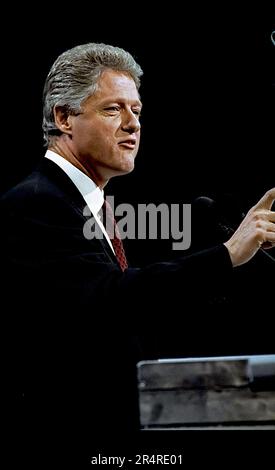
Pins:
x,y
92,194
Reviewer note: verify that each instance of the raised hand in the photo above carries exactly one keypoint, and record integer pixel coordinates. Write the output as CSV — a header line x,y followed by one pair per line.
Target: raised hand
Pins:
x,y
256,230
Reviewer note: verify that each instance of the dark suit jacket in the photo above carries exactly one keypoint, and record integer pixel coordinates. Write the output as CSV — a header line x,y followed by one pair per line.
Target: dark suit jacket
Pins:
x,y
74,317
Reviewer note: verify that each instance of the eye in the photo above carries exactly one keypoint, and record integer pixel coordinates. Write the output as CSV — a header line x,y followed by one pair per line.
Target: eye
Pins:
x,y
137,112
112,108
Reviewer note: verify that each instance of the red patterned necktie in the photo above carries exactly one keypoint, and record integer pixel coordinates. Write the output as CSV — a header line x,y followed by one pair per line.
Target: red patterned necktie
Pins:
x,y
114,235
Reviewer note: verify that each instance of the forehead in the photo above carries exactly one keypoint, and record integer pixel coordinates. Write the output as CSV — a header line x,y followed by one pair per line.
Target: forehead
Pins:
x,y
116,86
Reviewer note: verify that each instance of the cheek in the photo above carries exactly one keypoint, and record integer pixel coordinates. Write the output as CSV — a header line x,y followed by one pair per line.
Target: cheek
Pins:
x,y
97,140
108,142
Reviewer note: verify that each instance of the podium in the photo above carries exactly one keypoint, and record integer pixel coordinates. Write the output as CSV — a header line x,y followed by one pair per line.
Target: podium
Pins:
x,y
211,392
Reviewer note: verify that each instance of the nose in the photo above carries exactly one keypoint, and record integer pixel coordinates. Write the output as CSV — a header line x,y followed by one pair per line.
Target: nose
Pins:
x,y
130,123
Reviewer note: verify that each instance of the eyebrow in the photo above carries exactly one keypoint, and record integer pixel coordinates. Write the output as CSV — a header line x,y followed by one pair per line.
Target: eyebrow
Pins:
x,y
121,100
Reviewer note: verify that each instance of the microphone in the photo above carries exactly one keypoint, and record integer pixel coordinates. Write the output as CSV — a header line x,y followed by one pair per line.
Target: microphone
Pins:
x,y
209,205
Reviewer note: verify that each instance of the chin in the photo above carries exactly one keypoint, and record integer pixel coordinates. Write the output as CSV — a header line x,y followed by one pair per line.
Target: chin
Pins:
x,y
124,165
128,165
124,170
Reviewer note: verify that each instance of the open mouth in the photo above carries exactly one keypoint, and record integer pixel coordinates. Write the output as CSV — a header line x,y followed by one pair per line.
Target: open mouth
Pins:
x,y
129,143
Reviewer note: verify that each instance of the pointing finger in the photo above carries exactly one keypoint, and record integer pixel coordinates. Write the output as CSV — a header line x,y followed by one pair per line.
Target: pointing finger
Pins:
x,y
267,200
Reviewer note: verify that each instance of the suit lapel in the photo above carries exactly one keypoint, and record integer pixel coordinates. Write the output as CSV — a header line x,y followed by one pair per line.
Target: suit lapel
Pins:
x,y
72,195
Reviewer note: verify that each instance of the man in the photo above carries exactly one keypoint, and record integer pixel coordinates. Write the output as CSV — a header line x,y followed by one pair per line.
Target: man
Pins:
x,y
73,345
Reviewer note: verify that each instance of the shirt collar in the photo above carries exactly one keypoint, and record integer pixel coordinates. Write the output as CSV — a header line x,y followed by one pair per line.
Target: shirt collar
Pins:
x,y
93,194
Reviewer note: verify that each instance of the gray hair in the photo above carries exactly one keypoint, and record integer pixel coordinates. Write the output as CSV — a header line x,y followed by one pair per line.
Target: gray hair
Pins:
x,y
74,77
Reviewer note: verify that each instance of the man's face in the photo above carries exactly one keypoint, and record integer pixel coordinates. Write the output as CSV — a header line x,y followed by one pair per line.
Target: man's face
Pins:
x,y
105,137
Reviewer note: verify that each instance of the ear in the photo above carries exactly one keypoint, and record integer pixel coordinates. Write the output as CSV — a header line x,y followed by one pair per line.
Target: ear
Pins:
x,y
62,119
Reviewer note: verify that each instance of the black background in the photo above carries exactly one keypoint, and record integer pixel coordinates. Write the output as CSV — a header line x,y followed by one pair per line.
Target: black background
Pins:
x,y
207,125
208,94
208,120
